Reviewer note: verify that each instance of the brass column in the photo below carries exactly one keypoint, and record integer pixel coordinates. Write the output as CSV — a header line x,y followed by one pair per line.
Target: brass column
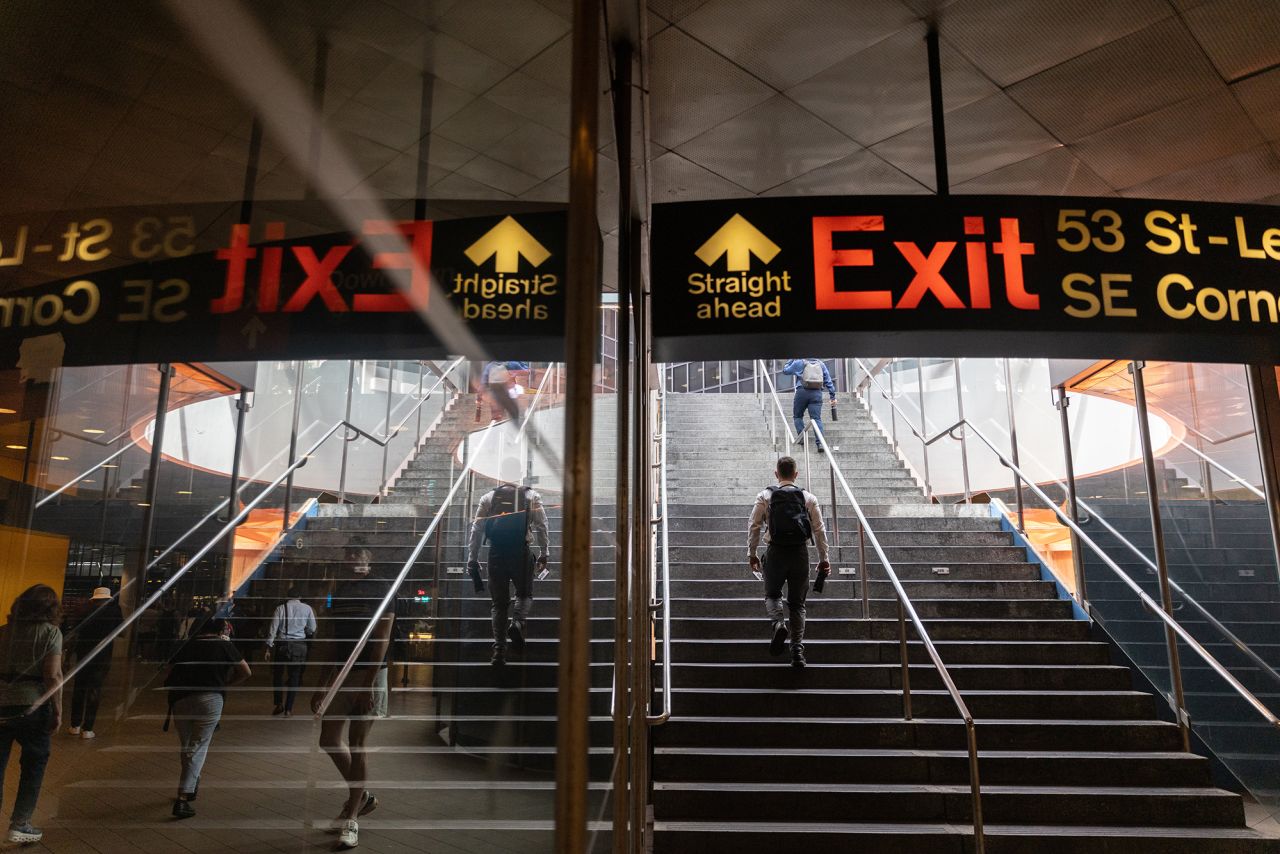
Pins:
x,y
582,312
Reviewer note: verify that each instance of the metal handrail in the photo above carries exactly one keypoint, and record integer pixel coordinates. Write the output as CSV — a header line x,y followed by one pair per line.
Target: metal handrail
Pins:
x,y
791,437
1147,602
1228,472
533,405
905,607
1212,620
191,562
885,394
395,431
104,461
394,589
659,720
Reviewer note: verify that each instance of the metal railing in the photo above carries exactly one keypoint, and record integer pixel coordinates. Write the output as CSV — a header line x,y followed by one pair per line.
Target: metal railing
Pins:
x,y
1228,472
665,518
906,613
1173,627
105,461
192,561
1231,637
394,589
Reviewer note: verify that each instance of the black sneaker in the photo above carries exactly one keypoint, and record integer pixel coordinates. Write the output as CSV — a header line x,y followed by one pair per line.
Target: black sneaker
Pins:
x,y
779,642
515,633
797,657
821,450
499,657
183,808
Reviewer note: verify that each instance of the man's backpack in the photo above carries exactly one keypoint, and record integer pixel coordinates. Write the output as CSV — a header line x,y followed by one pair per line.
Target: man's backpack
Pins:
x,y
811,376
499,374
788,516
507,527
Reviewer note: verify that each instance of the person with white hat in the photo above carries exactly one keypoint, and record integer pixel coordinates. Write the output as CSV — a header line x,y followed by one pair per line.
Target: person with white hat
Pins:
x,y
101,616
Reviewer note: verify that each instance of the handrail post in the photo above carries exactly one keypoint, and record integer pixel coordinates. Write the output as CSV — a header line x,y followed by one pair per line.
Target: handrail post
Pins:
x,y
835,511
346,439
975,788
293,443
153,478
964,439
862,571
906,662
1077,558
386,427
893,411
924,427
1162,564
1013,446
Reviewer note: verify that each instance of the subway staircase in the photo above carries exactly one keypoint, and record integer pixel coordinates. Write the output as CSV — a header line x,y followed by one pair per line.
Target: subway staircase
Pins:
x,y
1075,755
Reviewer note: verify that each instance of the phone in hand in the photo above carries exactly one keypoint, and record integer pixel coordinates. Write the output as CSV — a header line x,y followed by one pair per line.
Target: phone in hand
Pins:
x,y
757,574
546,570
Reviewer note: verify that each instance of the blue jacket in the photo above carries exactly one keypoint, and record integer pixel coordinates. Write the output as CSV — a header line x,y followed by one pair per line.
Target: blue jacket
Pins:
x,y
796,367
511,366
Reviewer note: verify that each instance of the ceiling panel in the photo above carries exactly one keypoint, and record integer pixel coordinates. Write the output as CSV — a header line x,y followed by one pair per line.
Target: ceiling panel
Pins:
x,y
396,91
675,179
1245,177
513,31
693,89
1011,40
768,145
490,172
480,125
1260,97
784,43
457,186
884,90
1241,36
674,10
1159,65
981,137
1170,139
534,150
359,118
554,189
531,98
861,173
1056,172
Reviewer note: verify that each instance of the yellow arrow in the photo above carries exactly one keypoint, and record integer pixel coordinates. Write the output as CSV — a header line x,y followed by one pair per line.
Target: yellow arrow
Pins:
x,y
508,240
740,239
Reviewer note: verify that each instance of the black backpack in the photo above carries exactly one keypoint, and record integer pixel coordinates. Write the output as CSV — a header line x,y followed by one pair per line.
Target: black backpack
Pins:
x,y
507,527
788,516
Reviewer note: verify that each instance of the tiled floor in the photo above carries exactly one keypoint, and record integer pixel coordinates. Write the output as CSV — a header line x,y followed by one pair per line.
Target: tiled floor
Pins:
x,y
267,788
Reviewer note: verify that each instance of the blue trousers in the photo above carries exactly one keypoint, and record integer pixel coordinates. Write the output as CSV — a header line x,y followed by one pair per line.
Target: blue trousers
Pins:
x,y
809,399
31,732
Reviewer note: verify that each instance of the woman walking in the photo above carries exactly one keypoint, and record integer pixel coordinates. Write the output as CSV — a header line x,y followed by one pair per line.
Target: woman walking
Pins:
x,y
30,665
201,671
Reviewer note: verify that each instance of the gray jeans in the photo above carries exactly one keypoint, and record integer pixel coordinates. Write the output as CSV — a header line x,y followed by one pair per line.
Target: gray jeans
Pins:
x,y
787,565
195,716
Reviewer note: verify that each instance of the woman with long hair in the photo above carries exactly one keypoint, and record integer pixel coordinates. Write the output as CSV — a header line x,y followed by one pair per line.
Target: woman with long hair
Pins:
x,y
200,672
30,665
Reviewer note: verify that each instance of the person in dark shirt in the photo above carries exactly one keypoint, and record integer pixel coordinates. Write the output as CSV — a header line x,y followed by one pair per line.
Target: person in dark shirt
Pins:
x,y
362,694
199,674
101,617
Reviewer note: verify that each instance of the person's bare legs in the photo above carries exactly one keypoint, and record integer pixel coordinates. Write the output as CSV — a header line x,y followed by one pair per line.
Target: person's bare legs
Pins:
x,y
334,744
357,765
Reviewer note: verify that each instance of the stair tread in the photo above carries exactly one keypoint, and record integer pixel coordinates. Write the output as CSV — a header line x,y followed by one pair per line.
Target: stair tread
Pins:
x,y
854,828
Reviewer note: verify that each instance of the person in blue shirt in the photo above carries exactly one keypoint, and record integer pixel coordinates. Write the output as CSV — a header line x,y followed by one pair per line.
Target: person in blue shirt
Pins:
x,y
495,382
812,378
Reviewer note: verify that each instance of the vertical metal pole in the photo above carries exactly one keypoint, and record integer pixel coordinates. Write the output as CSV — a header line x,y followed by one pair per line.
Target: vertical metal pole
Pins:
x,y
1162,564
627,811
924,428
964,434
153,478
1206,473
318,80
293,441
233,500
1077,557
251,170
1013,445
386,427
582,319
835,508
417,433
935,103
862,572
347,437
906,662
893,409
1265,405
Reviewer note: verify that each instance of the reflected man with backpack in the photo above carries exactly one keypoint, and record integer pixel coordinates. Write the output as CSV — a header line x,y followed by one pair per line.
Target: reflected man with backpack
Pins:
x,y
812,377
514,522
789,519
